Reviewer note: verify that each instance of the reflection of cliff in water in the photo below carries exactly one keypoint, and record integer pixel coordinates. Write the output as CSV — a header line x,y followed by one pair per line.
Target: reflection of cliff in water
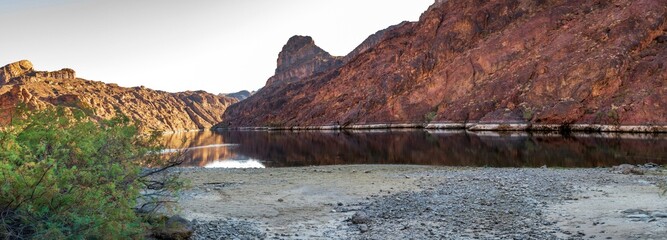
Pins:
x,y
460,148
200,148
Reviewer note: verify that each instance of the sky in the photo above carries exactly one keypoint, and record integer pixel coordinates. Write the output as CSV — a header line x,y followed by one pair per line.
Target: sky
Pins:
x,y
220,46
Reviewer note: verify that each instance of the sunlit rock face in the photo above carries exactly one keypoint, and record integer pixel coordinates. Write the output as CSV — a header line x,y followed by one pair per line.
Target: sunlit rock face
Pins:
x,y
548,62
150,109
301,58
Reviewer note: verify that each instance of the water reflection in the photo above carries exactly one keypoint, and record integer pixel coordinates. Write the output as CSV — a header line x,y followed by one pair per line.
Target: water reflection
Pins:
x,y
201,148
449,148
235,164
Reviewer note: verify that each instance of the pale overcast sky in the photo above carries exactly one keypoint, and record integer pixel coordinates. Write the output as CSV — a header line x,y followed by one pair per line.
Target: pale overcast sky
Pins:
x,y
177,45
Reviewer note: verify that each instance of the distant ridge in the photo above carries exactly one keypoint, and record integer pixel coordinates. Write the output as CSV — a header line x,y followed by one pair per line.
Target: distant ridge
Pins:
x,y
241,95
150,109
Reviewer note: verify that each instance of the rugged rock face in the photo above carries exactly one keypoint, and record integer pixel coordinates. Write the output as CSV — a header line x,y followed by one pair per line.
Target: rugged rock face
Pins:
x,y
508,61
14,70
150,109
301,58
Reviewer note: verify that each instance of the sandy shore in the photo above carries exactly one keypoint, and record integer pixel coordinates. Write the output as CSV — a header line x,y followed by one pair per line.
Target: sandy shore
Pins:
x,y
418,202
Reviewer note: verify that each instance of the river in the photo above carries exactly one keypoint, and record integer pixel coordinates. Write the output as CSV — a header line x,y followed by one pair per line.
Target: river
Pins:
x,y
268,149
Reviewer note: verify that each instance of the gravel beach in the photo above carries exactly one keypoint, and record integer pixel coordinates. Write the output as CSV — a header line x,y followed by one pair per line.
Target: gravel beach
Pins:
x,y
420,202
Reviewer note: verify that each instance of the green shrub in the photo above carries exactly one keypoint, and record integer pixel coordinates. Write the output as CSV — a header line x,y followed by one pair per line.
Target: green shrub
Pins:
x,y
430,116
613,116
64,176
527,114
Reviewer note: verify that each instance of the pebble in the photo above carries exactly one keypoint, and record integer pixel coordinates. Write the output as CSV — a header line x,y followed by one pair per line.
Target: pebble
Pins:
x,y
226,229
635,216
464,204
489,203
659,214
363,228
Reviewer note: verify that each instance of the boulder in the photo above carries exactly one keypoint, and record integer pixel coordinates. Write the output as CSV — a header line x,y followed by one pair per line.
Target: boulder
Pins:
x,y
175,228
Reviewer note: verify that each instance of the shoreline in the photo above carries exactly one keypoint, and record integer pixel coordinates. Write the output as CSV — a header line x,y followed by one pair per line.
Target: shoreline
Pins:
x,y
496,127
423,202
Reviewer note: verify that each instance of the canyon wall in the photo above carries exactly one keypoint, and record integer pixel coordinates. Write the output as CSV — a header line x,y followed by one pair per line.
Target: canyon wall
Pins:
x,y
507,61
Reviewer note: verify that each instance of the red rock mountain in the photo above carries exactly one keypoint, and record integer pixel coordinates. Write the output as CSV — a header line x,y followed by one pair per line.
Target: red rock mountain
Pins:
x,y
150,109
506,61
301,58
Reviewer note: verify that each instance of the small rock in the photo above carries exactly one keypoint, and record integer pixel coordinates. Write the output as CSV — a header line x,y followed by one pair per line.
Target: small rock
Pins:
x,y
634,211
340,204
280,200
637,216
360,218
651,165
363,228
659,214
628,169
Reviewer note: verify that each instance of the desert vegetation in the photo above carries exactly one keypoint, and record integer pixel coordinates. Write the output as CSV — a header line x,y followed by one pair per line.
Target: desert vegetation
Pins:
x,y
65,175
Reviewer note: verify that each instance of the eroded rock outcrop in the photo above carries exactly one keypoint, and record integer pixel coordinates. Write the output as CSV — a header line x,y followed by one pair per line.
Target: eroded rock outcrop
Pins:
x,y
150,109
301,58
533,62
14,70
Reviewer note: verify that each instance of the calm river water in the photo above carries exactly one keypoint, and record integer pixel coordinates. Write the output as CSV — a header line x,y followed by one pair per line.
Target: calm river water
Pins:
x,y
258,149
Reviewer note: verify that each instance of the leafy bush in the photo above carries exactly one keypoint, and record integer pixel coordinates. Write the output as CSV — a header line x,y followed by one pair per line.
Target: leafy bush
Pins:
x,y
430,116
63,175
527,114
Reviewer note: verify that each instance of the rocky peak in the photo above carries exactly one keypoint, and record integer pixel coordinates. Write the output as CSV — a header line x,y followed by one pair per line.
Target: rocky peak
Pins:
x,y
241,95
14,70
301,58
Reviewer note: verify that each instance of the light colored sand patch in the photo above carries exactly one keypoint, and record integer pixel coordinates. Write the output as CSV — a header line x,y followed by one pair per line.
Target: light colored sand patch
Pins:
x,y
290,199
598,211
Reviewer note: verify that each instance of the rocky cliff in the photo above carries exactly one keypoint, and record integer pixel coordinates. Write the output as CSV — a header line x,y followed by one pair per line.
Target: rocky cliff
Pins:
x,y
507,61
301,58
150,109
